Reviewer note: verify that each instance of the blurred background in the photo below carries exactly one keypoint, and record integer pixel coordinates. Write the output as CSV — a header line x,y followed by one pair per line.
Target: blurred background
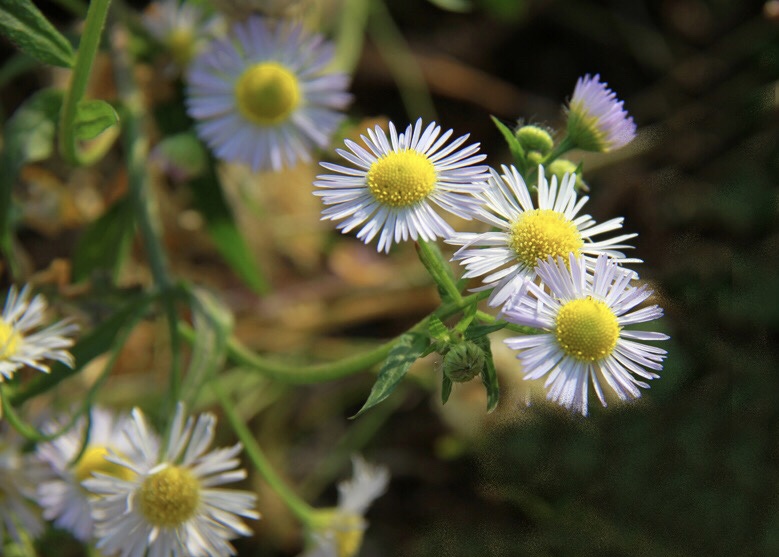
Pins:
x,y
690,469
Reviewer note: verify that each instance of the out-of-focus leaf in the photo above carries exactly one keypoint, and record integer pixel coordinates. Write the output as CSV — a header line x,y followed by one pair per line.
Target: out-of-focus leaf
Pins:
x,y
93,118
106,241
29,29
407,350
446,389
89,346
453,5
221,227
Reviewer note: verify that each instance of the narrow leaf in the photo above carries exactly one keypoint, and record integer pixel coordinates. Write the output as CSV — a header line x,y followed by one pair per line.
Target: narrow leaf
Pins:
x,y
475,331
29,29
490,375
93,118
221,227
437,329
514,146
446,389
407,350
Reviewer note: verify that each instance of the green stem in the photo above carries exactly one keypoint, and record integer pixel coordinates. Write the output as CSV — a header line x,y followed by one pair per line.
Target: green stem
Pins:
x,y
487,318
439,269
87,49
351,33
330,371
302,510
560,149
137,146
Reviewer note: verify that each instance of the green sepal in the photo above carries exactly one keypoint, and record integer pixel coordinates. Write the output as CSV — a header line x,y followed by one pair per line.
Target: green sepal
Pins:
x,y
93,117
446,389
106,241
28,28
209,200
489,375
406,351
517,152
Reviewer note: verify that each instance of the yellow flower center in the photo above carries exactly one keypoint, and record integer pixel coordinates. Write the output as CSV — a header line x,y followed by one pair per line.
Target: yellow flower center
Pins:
x,y
9,340
401,178
93,460
170,497
587,329
347,528
541,233
267,93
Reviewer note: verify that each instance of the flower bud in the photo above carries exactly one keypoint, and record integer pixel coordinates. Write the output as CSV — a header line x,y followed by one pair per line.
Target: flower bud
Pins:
x,y
463,362
181,157
561,167
533,138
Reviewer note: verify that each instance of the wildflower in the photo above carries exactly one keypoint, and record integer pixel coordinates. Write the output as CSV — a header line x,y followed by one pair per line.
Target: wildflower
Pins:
x,y
398,180
61,495
262,96
339,531
19,346
583,338
19,517
509,256
181,27
596,119
170,505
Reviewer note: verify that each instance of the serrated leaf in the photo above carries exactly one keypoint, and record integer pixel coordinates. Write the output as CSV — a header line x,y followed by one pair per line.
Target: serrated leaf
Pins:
x,y
208,198
475,331
489,375
407,350
88,347
514,146
446,389
28,28
106,242
93,118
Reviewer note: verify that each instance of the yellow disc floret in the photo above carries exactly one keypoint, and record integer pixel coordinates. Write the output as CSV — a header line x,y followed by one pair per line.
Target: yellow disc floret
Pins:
x,y
9,340
541,233
401,178
267,93
587,329
169,497
93,460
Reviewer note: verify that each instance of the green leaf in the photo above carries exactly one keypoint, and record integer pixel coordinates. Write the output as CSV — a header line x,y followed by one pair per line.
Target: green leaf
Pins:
x,y
29,29
221,227
437,329
514,146
453,5
93,118
106,241
408,349
490,375
475,331
89,346
446,389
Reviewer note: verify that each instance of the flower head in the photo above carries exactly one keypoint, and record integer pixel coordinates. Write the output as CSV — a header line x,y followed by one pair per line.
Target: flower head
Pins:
x,y
19,346
19,517
583,338
526,234
61,495
596,119
262,95
181,27
339,531
397,182
170,504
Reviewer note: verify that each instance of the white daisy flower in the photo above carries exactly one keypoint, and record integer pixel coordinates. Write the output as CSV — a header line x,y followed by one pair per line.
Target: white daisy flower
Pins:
x,y
171,506
262,96
583,336
61,495
397,182
339,531
182,27
597,120
526,234
19,517
19,346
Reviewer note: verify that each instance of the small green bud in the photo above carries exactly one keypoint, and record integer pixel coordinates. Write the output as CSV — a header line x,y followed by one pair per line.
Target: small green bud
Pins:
x,y
534,158
534,138
181,156
561,167
463,362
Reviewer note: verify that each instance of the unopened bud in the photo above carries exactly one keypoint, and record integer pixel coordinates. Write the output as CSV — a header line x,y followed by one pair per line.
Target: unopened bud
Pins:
x,y
533,138
561,167
463,362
